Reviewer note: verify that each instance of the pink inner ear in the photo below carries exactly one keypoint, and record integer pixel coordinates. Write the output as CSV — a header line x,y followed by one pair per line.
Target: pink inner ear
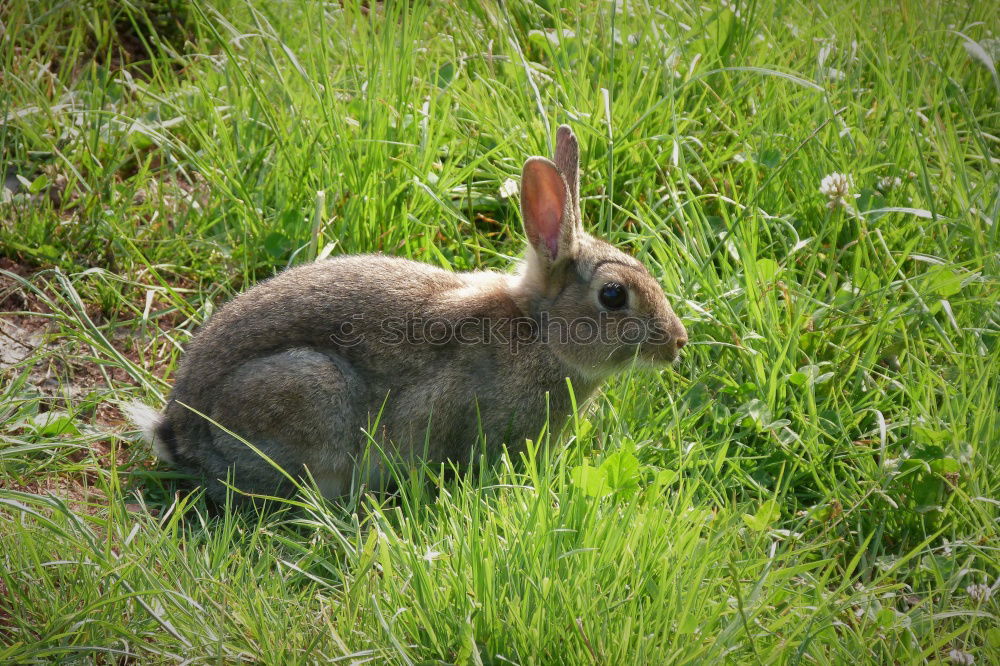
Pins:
x,y
543,196
553,245
548,219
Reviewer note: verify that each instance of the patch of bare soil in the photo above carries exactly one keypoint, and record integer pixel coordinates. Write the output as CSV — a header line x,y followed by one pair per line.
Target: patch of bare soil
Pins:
x,y
58,372
74,492
26,333
29,342
20,335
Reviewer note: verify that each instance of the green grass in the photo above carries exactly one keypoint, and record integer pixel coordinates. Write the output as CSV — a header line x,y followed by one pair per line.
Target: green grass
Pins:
x,y
815,481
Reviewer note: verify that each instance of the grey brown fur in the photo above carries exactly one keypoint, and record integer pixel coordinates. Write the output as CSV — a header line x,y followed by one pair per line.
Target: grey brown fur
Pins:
x,y
273,367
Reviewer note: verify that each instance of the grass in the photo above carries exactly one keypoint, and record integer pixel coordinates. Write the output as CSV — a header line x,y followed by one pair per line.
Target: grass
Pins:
x,y
813,483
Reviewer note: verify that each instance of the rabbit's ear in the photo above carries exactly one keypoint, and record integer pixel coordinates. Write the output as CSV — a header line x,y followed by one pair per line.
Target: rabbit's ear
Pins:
x,y
547,209
567,159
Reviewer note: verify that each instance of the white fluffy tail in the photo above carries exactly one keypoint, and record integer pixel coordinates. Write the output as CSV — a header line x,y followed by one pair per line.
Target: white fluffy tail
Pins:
x,y
147,419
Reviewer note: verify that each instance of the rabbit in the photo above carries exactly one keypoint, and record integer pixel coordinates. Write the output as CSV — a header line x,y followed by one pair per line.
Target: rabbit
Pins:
x,y
312,364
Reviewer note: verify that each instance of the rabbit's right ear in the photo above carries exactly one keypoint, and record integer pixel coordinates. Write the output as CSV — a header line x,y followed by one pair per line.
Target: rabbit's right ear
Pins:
x,y
548,210
567,159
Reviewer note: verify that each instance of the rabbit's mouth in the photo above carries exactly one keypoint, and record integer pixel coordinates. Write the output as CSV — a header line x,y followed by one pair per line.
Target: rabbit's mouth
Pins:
x,y
659,354
652,355
602,361
667,338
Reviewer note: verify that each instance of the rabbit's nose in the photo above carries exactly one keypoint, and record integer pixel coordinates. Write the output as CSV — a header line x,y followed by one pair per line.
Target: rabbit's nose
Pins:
x,y
679,334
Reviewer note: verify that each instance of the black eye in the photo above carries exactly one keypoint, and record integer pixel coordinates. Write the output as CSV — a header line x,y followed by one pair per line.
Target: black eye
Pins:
x,y
613,296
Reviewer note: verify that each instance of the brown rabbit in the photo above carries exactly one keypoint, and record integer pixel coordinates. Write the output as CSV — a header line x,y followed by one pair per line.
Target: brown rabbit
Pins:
x,y
304,365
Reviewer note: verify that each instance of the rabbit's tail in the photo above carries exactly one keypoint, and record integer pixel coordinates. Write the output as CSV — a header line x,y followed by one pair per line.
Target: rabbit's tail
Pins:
x,y
148,420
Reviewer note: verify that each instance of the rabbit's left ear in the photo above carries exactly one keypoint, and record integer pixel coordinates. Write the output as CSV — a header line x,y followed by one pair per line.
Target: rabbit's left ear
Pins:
x,y
547,208
567,159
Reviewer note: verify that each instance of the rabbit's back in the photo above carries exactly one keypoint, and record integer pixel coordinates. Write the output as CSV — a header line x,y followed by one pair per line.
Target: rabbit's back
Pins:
x,y
315,305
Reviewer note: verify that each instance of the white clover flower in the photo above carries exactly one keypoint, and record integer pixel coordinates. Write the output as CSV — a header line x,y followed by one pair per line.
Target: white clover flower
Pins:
x,y
837,188
888,183
960,657
832,74
508,189
979,592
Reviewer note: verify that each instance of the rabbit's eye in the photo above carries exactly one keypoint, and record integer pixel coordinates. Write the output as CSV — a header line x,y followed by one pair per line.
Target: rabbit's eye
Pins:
x,y
613,296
